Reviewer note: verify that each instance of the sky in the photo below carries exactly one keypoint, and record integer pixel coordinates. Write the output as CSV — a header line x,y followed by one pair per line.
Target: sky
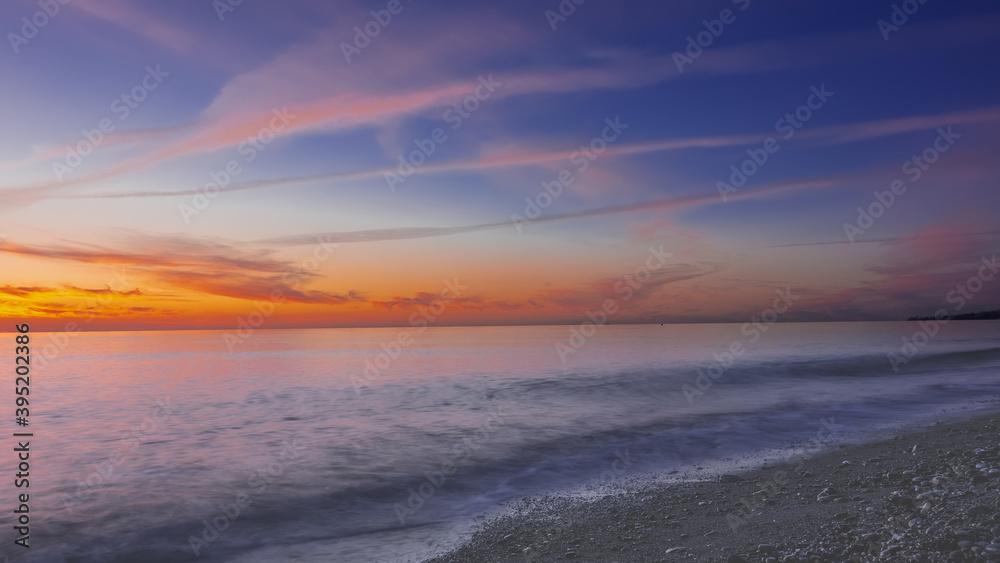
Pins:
x,y
388,163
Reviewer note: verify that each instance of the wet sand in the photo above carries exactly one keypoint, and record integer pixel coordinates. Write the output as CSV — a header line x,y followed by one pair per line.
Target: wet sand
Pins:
x,y
929,493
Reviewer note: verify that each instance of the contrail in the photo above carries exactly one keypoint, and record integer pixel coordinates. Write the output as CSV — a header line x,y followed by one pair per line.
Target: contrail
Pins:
x,y
831,135
407,233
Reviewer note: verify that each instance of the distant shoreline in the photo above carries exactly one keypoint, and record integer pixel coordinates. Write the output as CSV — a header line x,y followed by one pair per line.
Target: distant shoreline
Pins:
x,y
980,316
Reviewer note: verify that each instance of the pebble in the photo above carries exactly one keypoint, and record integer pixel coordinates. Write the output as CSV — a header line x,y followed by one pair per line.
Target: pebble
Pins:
x,y
826,494
979,510
949,520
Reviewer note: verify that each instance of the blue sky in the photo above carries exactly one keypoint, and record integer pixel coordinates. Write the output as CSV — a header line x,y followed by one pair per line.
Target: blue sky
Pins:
x,y
308,136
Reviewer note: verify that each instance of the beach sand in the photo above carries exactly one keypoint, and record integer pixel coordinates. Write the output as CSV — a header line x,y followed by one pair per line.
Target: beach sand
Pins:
x,y
929,493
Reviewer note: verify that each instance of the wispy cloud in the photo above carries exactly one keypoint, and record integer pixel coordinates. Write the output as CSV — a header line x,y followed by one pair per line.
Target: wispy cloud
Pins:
x,y
824,136
409,233
426,299
332,104
192,264
913,275
345,111
879,240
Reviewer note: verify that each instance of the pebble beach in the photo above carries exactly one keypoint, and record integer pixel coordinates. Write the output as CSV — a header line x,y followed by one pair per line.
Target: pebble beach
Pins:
x,y
927,493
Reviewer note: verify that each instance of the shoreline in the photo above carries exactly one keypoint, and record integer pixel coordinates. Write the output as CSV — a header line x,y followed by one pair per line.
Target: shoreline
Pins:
x,y
916,493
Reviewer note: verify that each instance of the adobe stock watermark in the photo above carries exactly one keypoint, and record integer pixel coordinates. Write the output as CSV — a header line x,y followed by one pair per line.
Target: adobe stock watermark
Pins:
x,y
420,320
582,159
626,288
454,116
225,7
31,26
959,297
563,11
899,17
788,126
293,279
256,485
122,107
106,471
752,330
248,149
364,34
461,453
828,432
914,169
696,44
621,462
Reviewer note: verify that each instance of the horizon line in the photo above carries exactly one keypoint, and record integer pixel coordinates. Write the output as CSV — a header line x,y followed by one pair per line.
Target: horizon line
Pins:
x,y
193,329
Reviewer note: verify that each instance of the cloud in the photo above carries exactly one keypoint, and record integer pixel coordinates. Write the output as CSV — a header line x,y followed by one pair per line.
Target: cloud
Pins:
x,y
409,233
878,240
331,103
913,275
166,252
72,301
590,295
508,306
345,110
251,287
823,136
426,299
193,264
25,291
668,274
104,291
102,311
28,292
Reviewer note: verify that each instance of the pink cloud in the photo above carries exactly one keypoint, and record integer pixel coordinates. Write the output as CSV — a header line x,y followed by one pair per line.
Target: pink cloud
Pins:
x,y
913,275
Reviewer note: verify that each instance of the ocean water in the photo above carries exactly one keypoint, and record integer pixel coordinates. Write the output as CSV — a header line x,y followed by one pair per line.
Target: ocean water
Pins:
x,y
150,446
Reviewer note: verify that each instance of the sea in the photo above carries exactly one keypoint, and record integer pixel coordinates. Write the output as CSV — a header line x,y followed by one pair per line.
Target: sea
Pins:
x,y
392,444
